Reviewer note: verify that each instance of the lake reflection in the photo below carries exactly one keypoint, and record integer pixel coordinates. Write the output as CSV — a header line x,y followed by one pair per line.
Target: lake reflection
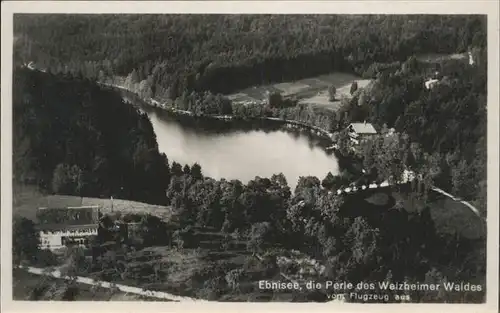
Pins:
x,y
226,152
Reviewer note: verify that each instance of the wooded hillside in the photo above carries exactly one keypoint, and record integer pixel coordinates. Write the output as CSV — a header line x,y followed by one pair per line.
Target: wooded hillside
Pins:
x,y
67,140
223,53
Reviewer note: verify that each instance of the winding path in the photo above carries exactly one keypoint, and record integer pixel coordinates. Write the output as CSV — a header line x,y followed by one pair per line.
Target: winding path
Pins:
x,y
407,177
470,206
104,284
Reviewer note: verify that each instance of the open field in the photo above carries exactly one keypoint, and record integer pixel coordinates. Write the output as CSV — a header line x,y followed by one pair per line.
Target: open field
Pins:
x,y
26,200
436,57
321,98
309,90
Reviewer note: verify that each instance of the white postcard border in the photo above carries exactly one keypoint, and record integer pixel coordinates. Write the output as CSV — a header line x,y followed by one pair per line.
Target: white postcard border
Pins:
x,y
490,8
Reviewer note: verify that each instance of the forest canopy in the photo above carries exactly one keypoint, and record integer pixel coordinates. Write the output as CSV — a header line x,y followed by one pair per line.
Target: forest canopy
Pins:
x,y
224,53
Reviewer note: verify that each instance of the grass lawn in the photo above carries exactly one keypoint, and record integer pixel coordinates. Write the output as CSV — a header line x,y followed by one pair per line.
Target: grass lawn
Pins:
x,y
291,88
26,200
315,83
240,97
313,90
436,57
321,98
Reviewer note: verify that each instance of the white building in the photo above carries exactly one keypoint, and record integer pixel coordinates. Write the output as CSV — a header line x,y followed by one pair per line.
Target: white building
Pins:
x,y
431,83
59,227
31,65
358,131
471,58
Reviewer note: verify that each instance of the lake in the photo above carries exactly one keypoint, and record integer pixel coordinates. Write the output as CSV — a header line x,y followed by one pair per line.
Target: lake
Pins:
x,y
237,150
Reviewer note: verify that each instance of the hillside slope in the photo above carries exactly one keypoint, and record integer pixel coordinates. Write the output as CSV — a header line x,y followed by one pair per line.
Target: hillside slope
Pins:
x,y
27,199
72,137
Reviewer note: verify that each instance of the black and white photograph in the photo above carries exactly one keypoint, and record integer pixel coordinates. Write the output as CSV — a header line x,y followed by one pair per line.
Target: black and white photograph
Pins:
x,y
332,157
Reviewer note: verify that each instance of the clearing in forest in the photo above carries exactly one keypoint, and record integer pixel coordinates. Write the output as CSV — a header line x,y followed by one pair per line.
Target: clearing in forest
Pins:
x,y
312,90
27,199
439,57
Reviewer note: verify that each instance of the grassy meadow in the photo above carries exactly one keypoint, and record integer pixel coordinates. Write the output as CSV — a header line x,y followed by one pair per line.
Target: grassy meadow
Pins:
x,y
312,91
26,200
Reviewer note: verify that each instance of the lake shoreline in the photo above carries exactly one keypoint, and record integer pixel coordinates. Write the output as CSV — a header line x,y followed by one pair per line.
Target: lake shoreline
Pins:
x,y
288,124
313,143
317,137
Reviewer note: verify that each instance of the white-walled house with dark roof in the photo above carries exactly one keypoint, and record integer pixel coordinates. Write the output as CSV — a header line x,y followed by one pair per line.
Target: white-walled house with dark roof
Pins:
x,y
59,227
359,131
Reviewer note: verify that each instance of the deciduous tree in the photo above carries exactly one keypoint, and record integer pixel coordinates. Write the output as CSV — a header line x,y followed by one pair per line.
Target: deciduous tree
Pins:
x,y
354,87
332,91
25,240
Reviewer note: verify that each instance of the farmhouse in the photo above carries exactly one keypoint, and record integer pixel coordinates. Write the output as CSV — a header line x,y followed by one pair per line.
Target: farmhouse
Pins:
x,y
59,227
360,131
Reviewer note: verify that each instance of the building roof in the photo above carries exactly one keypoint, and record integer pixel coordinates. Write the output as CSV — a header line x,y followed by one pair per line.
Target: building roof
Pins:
x,y
431,82
363,128
65,227
69,217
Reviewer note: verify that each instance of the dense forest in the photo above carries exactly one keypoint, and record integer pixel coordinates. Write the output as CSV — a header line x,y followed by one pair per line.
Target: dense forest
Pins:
x,y
357,241
97,145
66,140
172,54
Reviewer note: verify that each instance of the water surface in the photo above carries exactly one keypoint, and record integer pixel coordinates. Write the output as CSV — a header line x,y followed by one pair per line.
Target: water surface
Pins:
x,y
237,153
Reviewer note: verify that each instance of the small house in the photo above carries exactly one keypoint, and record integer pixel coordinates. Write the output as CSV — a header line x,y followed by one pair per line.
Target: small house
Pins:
x,y
59,227
471,58
360,131
431,83
31,65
